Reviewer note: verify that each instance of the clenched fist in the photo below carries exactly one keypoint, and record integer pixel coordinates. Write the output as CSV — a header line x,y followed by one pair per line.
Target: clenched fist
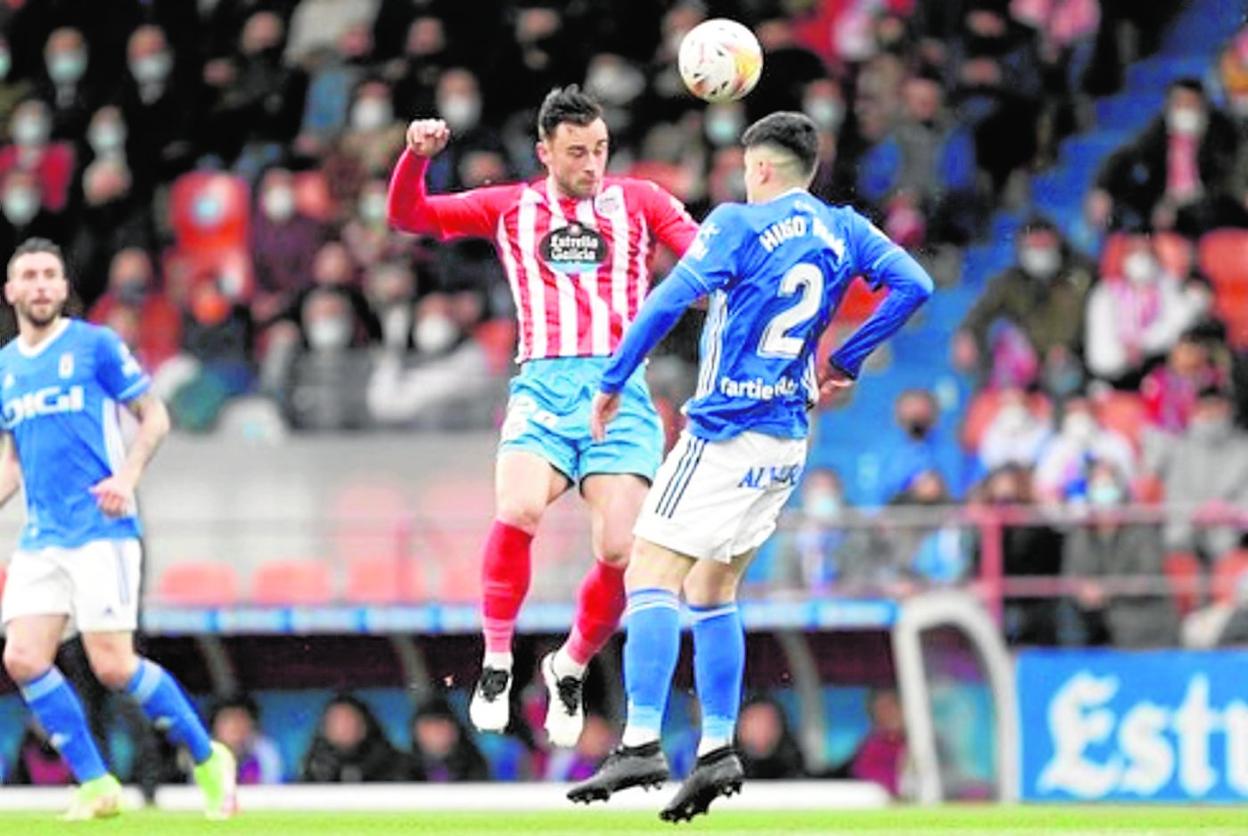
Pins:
x,y
426,137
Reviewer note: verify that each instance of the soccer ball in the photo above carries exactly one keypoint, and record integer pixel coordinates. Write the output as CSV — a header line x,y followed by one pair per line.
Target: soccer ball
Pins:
x,y
720,60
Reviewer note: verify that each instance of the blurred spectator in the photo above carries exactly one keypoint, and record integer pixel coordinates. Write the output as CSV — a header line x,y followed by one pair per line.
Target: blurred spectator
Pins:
x,y
21,214
369,145
113,216
1169,391
366,234
391,291
13,88
935,552
925,164
442,746
334,77
1017,435
1066,33
284,244
1233,75
1042,299
158,97
1062,472
325,389
65,85
916,414
319,25
1205,469
38,764
350,747
31,150
1110,550
880,757
426,56
768,749
133,286
790,67
592,748
236,723
1174,173
818,535
218,339
1135,318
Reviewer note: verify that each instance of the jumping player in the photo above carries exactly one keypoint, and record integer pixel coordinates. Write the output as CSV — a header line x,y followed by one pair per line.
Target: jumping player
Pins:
x,y
575,246
775,269
62,383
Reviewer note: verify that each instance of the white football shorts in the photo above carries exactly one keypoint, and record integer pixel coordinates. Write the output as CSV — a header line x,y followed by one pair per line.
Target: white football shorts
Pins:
x,y
715,500
96,584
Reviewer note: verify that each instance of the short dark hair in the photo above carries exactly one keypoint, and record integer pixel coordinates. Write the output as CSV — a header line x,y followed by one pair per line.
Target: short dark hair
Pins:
x,y
789,131
566,104
36,245
1191,83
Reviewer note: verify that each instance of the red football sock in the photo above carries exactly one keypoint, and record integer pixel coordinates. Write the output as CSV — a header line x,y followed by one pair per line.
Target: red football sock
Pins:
x,y
599,605
505,571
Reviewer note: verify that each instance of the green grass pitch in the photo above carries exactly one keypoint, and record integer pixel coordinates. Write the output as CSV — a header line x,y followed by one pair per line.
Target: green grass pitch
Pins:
x,y
972,820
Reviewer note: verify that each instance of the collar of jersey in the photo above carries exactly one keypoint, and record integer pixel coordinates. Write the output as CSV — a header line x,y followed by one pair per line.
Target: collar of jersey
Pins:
x,y
789,193
28,351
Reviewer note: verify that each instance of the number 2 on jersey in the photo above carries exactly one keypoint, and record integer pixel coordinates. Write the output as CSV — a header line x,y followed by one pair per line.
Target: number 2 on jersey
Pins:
x,y
806,279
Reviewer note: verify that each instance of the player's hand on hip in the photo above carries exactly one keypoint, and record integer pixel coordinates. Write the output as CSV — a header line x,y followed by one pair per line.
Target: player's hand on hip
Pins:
x,y
831,381
426,137
114,495
606,407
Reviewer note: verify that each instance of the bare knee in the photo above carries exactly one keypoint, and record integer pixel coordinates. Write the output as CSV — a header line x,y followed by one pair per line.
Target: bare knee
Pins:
x,y
114,668
614,547
520,512
24,663
654,567
711,584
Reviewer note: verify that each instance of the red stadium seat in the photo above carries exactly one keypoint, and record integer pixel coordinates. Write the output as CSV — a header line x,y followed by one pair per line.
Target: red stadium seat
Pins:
x,y
1223,258
497,338
859,302
1124,413
199,583
385,579
1184,572
209,210
1230,576
289,582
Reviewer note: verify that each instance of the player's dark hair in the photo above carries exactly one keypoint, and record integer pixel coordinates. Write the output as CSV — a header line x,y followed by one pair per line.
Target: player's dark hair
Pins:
x,y
566,104
36,245
789,131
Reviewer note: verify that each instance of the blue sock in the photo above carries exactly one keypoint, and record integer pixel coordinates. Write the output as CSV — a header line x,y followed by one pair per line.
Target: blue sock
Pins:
x,y
57,707
169,709
650,653
718,667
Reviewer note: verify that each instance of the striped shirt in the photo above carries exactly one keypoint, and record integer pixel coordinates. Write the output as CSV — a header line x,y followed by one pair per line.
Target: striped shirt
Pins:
x,y
578,269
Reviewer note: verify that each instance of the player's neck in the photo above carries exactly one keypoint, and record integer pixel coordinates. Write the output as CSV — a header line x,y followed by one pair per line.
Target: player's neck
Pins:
x,y
553,188
767,193
34,335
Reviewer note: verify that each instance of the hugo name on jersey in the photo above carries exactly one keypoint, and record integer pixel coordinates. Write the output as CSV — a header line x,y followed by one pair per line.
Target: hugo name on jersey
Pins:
x,y
775,272
60,405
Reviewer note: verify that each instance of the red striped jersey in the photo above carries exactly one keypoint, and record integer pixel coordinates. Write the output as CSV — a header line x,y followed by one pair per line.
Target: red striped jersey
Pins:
x,y
578,269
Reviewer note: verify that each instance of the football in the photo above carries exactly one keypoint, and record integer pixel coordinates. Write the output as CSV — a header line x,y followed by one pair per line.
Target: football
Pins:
x,y
720,60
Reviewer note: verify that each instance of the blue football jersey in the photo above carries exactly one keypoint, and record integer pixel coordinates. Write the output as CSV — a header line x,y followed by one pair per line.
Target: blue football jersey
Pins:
x,y
60,404
775,272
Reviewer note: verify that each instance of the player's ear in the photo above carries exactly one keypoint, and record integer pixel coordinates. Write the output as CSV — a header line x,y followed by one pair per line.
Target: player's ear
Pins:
x,y
543,153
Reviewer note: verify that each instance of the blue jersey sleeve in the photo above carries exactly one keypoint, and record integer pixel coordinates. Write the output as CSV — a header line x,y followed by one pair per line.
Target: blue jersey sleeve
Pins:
x,y
883,263
116,369
711,260
658,315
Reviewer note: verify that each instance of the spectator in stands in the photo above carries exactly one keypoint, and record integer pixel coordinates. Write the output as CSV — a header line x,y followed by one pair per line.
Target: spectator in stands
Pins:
x,y
790,67
133,286
768,749
1109,550
38,764
319,25
335,73
426,56
1042,299
1134,319
13,89
65,84
350,747
1017,435
818,536
1233,75
158,99
325,389
592,748
113,216
284,244
916,414
365,232
32,150
1169,391
235,721
458,100
1062,472
217,336
1173,174
368,146
880,757
936,551
1205,468
442,747
21,214
926,163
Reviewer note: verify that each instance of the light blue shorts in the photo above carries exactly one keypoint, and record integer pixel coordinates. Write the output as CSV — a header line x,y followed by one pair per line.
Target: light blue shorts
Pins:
x,y
548,415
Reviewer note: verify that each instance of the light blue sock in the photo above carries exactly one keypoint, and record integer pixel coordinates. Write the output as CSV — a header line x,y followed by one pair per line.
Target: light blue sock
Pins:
x,y
650,653
718,667
60,713
164,702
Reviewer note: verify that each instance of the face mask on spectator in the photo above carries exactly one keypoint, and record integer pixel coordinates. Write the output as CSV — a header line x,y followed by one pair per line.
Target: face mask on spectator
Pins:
x,y
1140,268
67,67
1210,428
1185,120
31,130
1040,262
396,322
1079,427
826,112
918,429
328,333
20,205
278,204
371,114
823,507
1013,418
435,333
722,127
462,113
131,291
106,138
373,208
1105,494
151,69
